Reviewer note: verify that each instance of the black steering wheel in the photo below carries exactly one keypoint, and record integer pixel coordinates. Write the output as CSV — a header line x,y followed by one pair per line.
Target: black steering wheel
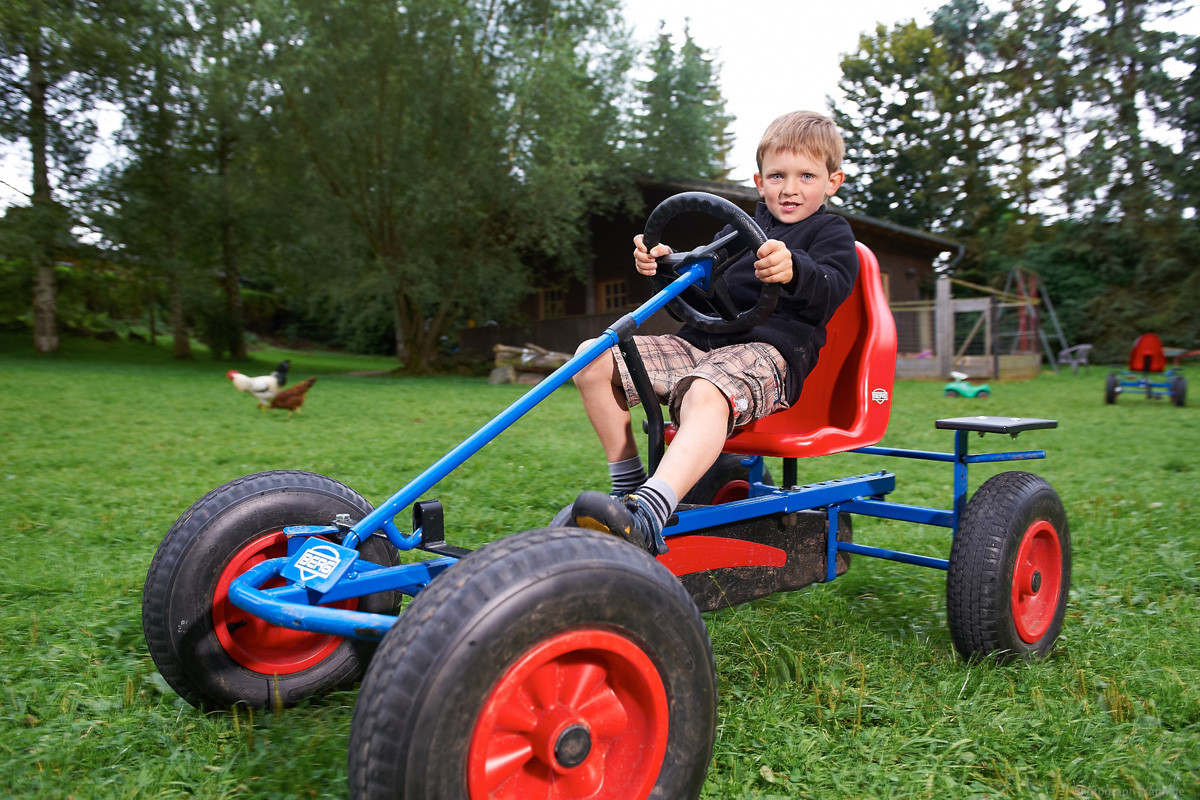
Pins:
x,y
710,309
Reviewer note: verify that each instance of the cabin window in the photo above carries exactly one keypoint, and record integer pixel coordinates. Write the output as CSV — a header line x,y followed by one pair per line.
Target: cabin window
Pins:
x,y
553,304
612,295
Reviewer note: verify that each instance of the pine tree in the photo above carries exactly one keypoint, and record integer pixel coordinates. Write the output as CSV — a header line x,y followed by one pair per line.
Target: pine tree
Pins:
x,y
683,127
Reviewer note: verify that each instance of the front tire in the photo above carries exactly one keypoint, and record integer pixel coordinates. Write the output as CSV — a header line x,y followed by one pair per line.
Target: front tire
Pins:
x,y
1110,389
1010,570
214,654
554,663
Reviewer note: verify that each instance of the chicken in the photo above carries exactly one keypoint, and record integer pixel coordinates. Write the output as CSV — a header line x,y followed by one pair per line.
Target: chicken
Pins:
x,y
293,397
263,387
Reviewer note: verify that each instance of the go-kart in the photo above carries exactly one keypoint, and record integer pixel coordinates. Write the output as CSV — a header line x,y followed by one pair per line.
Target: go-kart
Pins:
x,y
1147,374
961,387
568,663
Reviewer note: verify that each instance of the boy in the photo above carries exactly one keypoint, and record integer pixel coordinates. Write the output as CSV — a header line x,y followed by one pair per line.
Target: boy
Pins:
x,y
712,383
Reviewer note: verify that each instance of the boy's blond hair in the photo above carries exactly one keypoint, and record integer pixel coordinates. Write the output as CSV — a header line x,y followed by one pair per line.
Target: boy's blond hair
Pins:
x,y
804,132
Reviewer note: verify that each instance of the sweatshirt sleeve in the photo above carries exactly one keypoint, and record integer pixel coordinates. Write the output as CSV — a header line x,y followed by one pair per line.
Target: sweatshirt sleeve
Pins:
x,y
824,268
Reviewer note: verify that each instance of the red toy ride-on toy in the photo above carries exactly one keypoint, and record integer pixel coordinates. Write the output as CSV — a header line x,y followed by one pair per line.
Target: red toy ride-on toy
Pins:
x,y
1147,374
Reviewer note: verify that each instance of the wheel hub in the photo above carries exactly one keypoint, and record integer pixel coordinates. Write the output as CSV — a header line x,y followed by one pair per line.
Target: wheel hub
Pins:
x,y
254,643
573,746
1038,557
584,711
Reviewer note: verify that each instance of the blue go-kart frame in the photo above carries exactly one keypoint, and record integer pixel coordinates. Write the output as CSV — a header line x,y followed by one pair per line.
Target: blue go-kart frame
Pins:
x,y
278,586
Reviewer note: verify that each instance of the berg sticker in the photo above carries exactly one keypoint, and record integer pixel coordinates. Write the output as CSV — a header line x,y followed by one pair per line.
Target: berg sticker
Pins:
x,y
319,565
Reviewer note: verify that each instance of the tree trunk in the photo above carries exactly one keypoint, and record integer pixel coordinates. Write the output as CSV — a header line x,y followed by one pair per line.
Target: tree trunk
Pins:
x,y
45,306
182,346
45,289
229,251
401,322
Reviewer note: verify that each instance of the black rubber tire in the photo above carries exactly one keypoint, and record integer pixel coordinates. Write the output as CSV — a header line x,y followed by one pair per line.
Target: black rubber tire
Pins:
x,y
1010,512
1179,390
725,480
437,671
1110,389
178,598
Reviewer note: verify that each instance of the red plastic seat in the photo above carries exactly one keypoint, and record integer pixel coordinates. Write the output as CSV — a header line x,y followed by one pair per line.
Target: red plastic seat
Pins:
x,y
847,399
1147,354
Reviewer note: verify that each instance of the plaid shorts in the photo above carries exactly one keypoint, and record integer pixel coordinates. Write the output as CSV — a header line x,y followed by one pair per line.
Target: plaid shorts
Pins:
x,y
750,375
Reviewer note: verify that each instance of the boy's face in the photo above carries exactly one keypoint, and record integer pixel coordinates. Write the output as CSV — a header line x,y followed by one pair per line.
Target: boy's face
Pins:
x,y
794,185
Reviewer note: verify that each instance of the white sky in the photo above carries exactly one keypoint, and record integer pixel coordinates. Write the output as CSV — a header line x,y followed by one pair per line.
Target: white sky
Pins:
x,y
774,56
783,55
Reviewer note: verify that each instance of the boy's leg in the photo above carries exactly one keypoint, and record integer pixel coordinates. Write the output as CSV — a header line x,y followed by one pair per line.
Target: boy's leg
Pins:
x,y
703,421
730,386
604,403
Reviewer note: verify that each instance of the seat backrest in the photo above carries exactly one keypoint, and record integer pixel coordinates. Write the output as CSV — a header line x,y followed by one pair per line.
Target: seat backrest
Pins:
x,y
1147,354
847,398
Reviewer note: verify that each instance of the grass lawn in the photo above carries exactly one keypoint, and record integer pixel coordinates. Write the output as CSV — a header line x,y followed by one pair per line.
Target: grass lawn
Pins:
x,y
847,689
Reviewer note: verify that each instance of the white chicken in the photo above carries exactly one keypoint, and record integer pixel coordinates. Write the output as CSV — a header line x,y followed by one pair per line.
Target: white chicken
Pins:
x,y
263,387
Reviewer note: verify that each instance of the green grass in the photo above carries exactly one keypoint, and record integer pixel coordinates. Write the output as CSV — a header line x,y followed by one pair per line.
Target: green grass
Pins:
x,y
848,689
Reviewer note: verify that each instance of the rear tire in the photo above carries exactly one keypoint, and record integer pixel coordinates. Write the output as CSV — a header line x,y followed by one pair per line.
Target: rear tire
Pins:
x,y
214,654
1179,390
554,663
1010,570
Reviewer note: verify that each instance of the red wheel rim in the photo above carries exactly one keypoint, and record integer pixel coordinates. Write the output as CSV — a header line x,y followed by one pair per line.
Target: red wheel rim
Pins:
x,y
1037,581
582,714
734,490
254,643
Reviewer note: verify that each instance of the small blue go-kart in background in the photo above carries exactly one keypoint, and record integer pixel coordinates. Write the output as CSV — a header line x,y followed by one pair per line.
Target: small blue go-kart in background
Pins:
x,y
1147,374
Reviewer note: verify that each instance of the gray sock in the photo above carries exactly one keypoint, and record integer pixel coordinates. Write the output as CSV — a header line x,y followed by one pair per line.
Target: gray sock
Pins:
x,y
627,475
658,498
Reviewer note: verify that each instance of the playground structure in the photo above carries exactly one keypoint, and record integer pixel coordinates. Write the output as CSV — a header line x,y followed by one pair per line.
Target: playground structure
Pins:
x,y
1004,333
1147,374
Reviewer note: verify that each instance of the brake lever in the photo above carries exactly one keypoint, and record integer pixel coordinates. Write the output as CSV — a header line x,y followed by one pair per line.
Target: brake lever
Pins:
x,y
715,251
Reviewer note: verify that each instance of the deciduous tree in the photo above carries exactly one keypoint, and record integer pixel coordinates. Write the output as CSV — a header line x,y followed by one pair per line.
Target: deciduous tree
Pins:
x,y
456,135
57,58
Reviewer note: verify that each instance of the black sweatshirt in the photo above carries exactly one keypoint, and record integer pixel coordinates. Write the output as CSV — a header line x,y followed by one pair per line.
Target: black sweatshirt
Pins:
x,y
824,268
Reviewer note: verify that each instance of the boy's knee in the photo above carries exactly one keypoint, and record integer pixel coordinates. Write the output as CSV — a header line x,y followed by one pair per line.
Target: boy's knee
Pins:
x,y
701,390
699,393
598,370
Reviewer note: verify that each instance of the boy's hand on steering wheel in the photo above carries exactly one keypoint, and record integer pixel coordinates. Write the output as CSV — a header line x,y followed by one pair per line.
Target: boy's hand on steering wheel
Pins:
x,y
774,263
644,259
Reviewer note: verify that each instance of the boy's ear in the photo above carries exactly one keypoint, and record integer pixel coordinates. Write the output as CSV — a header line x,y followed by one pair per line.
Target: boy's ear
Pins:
x,y
758,183
836,179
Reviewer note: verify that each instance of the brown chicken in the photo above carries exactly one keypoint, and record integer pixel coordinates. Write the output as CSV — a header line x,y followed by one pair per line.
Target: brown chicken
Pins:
x,y
292,397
